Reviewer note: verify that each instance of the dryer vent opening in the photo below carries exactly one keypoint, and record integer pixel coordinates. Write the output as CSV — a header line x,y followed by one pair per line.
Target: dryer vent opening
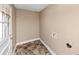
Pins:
x,y
68,45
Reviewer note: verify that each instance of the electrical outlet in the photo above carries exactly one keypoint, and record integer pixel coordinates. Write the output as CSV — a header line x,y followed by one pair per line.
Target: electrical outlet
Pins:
x,y
54,35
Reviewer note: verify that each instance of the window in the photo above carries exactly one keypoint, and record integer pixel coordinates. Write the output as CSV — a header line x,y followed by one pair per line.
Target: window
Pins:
x,y
4,26
0,26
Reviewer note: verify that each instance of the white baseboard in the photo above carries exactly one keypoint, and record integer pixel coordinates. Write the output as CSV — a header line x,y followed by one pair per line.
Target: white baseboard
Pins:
x,y
52,52
13,52
34,40
27,41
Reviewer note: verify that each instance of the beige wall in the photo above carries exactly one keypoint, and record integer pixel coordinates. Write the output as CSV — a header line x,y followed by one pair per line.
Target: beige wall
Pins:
x,y
27,25
64,20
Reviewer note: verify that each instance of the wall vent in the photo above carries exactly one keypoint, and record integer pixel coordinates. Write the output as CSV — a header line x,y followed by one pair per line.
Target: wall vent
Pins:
x,y
68,45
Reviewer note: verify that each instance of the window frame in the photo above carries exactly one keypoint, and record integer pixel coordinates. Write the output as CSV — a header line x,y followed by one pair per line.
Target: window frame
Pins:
x,y
3,22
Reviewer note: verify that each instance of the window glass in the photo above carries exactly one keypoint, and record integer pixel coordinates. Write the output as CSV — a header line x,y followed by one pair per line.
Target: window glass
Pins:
x,y
0,26
5,18
0,31
0,17
5,31
4,26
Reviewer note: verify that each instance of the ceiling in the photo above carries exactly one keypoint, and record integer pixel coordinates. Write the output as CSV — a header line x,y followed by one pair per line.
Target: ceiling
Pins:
x,y
31,7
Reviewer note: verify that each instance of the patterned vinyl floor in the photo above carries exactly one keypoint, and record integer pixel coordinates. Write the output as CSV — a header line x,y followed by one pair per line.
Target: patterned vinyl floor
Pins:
x,y
32,48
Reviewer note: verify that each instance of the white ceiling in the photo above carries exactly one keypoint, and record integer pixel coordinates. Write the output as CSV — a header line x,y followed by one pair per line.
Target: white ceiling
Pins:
x,y
31,7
